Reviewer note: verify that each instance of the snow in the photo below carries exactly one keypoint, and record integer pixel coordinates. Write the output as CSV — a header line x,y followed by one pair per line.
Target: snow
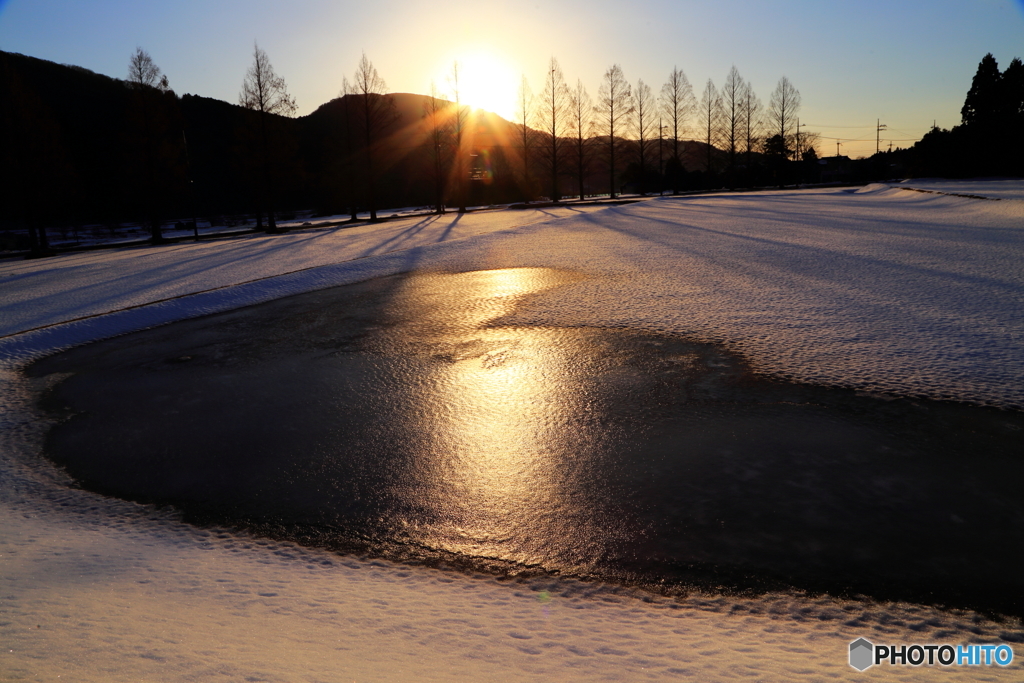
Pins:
x,y
885,290
991,188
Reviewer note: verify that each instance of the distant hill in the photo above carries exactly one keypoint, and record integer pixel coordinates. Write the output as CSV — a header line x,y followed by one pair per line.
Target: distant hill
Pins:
x,y
73,151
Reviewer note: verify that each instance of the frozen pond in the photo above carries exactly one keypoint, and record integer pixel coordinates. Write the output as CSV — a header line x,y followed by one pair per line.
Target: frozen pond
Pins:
x,y
400,417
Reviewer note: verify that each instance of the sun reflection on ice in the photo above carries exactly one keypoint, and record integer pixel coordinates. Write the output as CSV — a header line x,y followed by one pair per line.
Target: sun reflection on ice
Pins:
x,y
499,422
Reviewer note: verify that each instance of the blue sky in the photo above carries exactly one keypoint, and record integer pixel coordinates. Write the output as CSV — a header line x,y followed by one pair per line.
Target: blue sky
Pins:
x,y
906,63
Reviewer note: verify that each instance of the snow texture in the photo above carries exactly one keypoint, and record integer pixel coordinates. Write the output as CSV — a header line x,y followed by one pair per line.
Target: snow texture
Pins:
x,y
882,289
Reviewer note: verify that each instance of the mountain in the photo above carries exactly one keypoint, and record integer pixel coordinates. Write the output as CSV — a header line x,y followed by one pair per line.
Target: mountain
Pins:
x,y
79,147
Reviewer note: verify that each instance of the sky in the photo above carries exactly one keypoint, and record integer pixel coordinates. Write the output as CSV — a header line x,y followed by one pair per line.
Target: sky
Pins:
x,y
906,64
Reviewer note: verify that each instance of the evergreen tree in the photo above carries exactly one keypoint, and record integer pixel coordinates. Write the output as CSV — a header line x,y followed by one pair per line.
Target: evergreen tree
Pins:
x,y
982,100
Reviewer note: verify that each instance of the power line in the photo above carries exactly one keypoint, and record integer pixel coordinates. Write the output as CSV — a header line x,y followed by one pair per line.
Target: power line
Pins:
x,y
822,125
827,137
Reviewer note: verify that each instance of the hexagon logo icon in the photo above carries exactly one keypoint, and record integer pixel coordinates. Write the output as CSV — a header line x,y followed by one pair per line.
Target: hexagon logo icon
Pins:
x,y
861,654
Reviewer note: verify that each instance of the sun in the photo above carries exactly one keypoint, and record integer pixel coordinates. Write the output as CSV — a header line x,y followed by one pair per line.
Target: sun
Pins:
x,y
486,80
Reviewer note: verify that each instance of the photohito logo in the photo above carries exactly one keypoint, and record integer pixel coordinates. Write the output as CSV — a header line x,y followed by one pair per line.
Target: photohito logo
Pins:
x,y
865,654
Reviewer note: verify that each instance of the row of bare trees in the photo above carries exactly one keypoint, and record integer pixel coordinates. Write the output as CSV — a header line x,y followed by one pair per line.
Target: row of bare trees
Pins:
x,y
559,133
564,125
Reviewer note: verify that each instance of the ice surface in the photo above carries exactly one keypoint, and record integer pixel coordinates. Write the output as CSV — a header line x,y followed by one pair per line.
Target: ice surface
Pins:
x,y
886,290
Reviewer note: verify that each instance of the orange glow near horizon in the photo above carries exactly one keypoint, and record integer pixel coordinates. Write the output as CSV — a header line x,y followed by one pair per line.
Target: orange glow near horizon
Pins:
x,y
487,80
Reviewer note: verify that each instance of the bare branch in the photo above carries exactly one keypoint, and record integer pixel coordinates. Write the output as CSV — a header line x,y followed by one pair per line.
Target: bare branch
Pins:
x,y
143,72
613,111
263,90
783,107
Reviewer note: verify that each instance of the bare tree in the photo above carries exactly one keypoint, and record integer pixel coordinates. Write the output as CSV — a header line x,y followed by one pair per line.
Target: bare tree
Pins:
x,y
783,108
459,121
709,117
144,73
645,127
265,92
752,123
733,98
348,114
613,112
148,126
437,111
677,103
524,117
581,124
378,114
809,142
552,113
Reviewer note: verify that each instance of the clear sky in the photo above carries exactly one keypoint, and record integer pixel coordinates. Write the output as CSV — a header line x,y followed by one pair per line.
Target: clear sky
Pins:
x,y
906,62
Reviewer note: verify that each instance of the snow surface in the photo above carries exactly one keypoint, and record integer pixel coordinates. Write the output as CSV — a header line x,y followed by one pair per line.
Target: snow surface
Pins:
x,y
883,289
992,188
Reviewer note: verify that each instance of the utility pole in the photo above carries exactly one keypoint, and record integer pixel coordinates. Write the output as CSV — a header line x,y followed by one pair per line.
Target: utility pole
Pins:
x,y
879,127
661,169
799,149
837,148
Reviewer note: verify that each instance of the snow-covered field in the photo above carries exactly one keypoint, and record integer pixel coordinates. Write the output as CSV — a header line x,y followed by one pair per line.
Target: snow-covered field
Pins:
x,y
881,289
994,188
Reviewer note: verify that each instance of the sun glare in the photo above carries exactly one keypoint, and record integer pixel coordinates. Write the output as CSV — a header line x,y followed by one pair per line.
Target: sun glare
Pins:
x,y
486,80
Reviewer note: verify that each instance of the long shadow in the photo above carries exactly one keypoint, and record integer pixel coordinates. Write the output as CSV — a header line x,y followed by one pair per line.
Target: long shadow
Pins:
x,y
448,229
403,235
815,253
158,275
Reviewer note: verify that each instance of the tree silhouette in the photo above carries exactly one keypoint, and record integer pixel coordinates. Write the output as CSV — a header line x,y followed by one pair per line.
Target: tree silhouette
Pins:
x,y
552,114
782,109
438,112
733,97
752,111
33,161
144,73
459,121
581,125
613,112
148,130
377,110
349,148
524,117
676,104
982,102
709,118
266,93
645,127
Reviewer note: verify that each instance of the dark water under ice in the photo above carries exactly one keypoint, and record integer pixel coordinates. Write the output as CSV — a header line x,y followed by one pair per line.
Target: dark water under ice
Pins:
x,y
401,418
